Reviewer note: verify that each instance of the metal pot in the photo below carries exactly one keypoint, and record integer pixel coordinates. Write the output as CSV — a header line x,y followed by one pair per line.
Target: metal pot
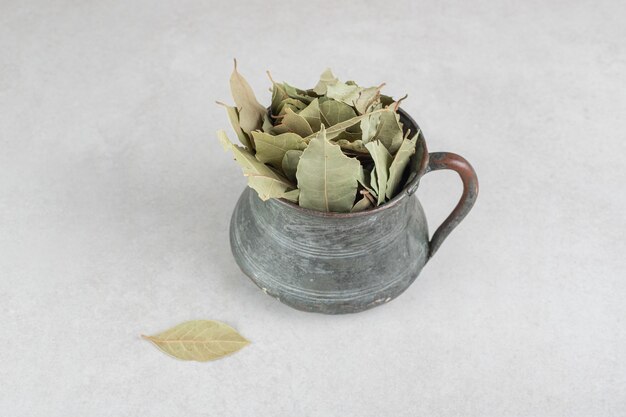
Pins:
x,y
337,263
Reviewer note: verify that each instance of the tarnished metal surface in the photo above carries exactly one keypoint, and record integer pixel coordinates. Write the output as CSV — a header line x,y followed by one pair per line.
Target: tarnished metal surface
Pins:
x,y
338,263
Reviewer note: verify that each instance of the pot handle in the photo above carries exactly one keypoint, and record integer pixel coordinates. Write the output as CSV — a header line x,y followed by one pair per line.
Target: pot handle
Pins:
x,y
448,160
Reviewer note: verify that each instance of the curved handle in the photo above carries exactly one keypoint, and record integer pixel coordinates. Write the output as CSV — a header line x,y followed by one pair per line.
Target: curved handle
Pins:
x,y
447,160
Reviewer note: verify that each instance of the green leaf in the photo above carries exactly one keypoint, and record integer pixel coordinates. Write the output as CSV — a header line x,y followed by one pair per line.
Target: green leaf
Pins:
x,y
312,115
265,181
382,160
250,111
398,165
271,149
327,78
334,112
233,117
290,164
327,178
345,93
199,340
389,130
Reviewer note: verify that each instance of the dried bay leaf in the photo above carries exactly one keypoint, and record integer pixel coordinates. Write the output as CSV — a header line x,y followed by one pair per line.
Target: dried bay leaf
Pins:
x,y
389,130
363,204
290,103
367,98
382,160
398,165
292,195
333,131
333,112
263,179
199,340
312,115
296,123
346,93
327,78
271,149
233,117
290,164
369,126
250,111
327,178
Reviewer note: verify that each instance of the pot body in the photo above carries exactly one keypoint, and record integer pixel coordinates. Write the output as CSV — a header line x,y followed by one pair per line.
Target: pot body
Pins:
x,y
329,264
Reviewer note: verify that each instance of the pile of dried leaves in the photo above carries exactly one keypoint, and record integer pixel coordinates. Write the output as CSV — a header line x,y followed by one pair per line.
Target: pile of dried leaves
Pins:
x,y
336,147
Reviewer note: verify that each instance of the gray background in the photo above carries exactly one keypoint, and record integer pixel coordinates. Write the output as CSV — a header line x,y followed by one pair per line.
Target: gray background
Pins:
x,y
115,199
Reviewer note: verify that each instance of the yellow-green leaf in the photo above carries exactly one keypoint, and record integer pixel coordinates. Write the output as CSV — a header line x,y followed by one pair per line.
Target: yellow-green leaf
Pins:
x,y
199,340
250,111
363,204
297,124
271,149
389,130
398,165
334,112
312,115
290,164
327,78
382,160
327,178
263,179
233,117
346,93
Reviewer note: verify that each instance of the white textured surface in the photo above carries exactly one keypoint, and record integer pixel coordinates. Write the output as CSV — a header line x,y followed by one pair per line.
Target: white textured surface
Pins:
x,y
115,199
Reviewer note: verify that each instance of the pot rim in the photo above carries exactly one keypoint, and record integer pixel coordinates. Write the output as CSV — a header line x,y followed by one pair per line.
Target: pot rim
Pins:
x,y
408,189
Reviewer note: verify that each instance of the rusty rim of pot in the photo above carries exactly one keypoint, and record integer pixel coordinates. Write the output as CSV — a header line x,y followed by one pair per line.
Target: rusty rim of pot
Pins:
x,y
409,187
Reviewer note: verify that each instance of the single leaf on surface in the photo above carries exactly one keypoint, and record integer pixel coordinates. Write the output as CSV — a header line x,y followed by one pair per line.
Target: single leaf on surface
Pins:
x,y
233,117
346,93
398,165
367,98
363,204
250,111
382,160
312,115
199,340
334,112
327,178
271,149
327,78
290,164
296,124
389,130
263,179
